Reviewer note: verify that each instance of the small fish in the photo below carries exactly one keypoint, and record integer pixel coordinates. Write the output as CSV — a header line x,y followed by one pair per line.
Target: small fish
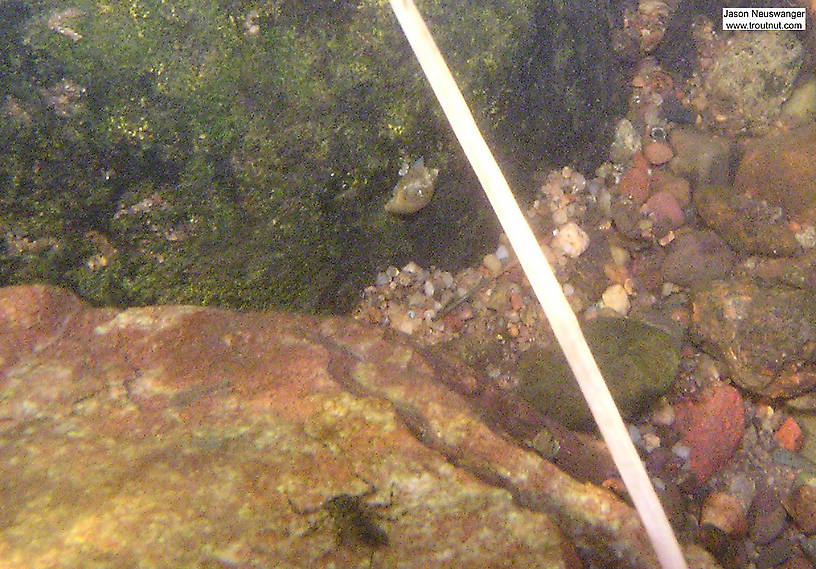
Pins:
x,y
414,190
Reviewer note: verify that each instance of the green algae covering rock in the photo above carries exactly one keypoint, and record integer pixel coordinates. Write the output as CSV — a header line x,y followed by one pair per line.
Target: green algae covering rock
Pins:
x,y
638,363
188,437
765,334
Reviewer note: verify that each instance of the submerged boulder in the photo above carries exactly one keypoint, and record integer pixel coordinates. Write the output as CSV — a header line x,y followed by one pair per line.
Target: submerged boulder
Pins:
x,y
780,169
196,437
765,334
747,224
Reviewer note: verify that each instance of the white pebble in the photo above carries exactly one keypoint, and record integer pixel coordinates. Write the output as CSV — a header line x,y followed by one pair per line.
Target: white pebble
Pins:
x,y
620,256
667,289
415,299
616,298
682,451
502,254
663,415
806,237
650,441
571,240
560,216
634,434
493,264
428,288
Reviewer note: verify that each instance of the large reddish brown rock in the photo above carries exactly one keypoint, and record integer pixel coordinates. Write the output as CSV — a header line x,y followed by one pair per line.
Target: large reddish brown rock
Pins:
x,y
780,169
195,437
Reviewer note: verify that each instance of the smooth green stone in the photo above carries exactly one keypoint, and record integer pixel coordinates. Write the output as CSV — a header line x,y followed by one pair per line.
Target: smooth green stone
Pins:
x,y
638,361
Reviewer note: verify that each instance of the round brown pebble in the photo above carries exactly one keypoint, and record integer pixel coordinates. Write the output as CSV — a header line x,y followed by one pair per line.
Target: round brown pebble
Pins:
x,y
769,520
666,181
663,205
802,508
658,152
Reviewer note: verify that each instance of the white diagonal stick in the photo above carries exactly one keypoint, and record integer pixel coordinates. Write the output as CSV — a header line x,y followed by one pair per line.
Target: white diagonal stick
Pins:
x,y
546,286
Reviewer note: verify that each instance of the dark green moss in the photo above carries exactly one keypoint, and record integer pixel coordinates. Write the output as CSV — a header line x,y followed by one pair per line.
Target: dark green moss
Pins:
x,y
264,138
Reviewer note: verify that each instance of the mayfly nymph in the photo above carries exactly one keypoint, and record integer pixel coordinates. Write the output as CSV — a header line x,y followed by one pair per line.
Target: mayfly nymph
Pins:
x,y
356,521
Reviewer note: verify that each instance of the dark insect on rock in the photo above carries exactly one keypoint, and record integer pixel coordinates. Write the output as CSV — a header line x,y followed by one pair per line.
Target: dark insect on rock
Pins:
x,y
356,521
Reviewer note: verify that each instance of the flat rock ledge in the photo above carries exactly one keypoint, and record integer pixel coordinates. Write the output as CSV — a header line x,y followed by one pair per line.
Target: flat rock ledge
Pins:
x,y
180,436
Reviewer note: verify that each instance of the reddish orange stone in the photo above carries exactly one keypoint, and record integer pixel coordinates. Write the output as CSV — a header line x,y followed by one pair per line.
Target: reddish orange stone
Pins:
x,y
516,301
711,427
789,435
635,182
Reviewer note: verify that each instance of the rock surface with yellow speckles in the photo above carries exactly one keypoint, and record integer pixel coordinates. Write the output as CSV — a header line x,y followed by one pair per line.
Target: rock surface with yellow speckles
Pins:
x,y
765,334
195,437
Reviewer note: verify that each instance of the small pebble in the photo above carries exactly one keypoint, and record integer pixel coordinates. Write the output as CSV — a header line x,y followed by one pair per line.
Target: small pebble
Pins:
x,y
634,434
428,288
404,323
668,289
664,181
776,553
769,522
806,236
616,298
658,152
650,441
802,508
619,255
635,182
516,302
560,216
416,299
724,512
571,240
663,415
412,267
681,451
493,264
789,435
742,487
665,208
